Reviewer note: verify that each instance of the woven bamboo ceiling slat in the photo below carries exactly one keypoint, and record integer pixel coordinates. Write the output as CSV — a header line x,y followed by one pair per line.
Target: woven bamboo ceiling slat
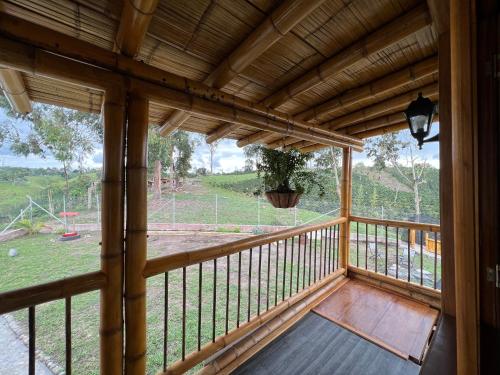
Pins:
x,y
192,38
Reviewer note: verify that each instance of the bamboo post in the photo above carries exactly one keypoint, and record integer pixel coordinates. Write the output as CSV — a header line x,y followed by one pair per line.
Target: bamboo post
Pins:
x,y
464,158
136,236
111,327
345,206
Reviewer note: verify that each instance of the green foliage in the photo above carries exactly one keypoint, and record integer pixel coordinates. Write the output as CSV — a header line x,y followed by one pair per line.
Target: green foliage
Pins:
x,y
159,148
285,171
29,226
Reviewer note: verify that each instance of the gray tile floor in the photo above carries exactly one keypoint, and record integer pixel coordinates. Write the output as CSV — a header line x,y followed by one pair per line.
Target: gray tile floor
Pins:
x,y
317,346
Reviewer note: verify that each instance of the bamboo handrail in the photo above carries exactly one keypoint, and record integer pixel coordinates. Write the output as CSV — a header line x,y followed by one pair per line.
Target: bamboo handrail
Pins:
x,y
397,223
170,262
51,291
223,341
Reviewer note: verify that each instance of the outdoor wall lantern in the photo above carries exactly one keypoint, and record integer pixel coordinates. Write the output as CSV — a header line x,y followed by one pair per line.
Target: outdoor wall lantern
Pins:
x,y
419,115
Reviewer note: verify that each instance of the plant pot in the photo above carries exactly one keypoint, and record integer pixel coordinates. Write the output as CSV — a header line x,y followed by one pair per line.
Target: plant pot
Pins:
x,y
283,200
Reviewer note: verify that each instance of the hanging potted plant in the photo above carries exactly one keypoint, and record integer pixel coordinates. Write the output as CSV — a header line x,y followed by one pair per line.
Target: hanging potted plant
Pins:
x,y
284,176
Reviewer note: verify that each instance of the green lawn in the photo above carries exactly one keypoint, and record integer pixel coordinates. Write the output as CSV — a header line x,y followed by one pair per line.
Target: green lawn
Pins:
x,y
43,258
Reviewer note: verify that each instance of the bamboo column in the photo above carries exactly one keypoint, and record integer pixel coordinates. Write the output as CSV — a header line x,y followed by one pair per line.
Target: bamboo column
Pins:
x,y
464,172
345,206
111,321
136,240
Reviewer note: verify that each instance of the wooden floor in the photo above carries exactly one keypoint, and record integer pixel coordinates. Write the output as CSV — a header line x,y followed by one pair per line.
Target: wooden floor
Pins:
x,y
400,325
317,346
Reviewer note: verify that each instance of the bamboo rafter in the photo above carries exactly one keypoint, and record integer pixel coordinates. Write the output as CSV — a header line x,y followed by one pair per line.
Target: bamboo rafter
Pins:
x,y
272,29
14,90
402,27
179,92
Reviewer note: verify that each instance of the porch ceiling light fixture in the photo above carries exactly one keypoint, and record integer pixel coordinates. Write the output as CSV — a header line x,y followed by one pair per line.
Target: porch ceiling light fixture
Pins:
x,y
419,115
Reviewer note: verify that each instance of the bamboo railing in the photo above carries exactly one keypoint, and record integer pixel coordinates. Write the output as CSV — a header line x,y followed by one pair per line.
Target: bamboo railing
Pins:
x,y
64,289
270,272
396,254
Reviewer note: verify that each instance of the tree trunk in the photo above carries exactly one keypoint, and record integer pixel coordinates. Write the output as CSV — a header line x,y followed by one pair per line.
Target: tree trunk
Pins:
x,y
157,179
416,194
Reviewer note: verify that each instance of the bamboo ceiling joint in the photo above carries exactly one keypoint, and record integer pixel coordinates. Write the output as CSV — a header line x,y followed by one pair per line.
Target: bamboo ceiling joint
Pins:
x,y
12,84
271,30
134,23
382,38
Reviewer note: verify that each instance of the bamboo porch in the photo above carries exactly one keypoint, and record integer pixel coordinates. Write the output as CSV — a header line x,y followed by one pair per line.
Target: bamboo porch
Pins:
x,y
306,74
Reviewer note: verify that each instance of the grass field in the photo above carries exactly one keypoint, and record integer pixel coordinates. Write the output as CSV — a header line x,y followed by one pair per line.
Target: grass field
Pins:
x,y
43,258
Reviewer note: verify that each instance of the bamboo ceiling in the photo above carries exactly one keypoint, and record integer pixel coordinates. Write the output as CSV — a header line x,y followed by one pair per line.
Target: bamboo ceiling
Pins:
x,y
193,38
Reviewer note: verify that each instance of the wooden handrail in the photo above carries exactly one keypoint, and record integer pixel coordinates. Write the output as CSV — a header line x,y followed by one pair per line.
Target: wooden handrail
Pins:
x,y
38,294
397,223
170,262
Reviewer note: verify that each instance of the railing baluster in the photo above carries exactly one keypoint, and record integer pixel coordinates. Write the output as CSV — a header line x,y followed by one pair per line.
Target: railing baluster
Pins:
x,y
386,249
200,288
276,278
325,252
291,268
228,279
366,246
320,253
284,271
329,244
421,257
239,292
214,300
376,248
338,244
268,274
165,323
315,251
334,243
259,280
409,259
183,313
435,259
397,252
310,258
249,284
298,264
304,261
68,334
357,244
31,345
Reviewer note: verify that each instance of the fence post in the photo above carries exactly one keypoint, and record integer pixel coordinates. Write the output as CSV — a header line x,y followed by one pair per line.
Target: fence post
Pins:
x,y
173,208
216,207
258,211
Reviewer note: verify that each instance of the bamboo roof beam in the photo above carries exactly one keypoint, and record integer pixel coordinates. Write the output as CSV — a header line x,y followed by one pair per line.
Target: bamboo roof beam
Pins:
x,y
33,58
396,103
380,86
134,23
14,90
271,30
215,110
384,37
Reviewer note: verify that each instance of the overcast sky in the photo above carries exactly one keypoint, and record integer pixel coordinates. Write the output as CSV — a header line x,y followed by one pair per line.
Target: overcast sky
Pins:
x,y
228,157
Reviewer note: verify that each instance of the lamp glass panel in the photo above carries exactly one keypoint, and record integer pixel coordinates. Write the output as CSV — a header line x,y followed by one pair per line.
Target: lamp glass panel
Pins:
x,y
418,123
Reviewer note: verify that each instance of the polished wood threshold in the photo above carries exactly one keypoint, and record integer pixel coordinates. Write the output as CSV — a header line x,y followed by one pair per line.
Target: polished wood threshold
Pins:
x,y
392,321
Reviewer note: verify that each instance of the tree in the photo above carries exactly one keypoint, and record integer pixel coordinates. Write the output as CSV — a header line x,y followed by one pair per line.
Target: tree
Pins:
x,y
212,147
159,157
389,149
68,135
330,158
252,156
183,148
